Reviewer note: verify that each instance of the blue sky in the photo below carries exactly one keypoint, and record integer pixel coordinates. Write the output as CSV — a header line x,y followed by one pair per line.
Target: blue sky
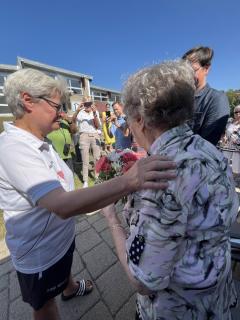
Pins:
x,y
111,39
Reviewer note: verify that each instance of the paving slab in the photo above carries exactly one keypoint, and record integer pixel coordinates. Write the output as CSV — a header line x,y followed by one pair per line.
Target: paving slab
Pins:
x,y
19,310
4,304
77,265
4,282
99,259
100,225
107,237
14,286
99,311
81,226
87,240
114,287
127,312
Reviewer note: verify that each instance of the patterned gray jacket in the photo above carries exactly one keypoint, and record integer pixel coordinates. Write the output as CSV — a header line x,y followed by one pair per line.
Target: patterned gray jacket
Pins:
x,y
178,244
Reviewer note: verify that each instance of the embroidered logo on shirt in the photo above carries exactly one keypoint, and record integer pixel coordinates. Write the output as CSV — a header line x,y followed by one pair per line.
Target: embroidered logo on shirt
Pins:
x,y
60,174
137,248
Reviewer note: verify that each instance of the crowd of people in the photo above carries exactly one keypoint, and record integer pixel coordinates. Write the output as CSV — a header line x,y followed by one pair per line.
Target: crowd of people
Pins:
x,y
181,198
230,143
97,133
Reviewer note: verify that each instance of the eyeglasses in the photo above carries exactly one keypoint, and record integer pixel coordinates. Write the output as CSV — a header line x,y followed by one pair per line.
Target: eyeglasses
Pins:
x,y
56,106
236,112
196,70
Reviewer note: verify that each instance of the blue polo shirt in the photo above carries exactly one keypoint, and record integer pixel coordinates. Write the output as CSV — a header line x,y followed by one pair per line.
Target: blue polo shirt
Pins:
x,y
122,142
211,114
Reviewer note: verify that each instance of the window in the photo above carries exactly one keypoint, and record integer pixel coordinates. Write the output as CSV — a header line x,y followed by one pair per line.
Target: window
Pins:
x,y
104,96
3,100
3,76
99,96
4,109
75,85
115,97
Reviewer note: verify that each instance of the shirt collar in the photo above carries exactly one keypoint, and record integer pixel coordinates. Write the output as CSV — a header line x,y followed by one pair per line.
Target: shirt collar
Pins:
x,y
202,91
169,137
11,129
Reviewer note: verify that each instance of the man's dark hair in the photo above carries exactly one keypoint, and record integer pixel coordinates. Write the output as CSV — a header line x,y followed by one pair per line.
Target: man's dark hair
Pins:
x,y
202,55
117,102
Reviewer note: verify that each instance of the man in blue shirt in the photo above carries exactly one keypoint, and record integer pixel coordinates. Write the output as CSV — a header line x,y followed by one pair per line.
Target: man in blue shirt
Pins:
x,y
120,129
211,106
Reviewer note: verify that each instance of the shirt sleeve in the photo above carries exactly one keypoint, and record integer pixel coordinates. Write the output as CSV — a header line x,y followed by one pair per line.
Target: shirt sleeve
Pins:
x,y
154,244
26,172
113,129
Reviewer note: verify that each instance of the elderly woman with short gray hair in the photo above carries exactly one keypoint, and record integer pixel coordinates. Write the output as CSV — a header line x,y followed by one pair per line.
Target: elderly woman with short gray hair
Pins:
x,y
37,193
178,249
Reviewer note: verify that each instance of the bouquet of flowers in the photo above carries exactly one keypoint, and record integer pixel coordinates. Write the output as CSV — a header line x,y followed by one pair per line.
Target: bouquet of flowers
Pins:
x,y
115,164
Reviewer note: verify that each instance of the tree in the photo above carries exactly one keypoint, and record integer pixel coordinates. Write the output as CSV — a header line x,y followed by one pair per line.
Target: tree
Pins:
x,y
234,99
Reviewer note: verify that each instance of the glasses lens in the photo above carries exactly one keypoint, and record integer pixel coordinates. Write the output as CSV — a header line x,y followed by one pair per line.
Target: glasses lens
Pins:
x,y
58,107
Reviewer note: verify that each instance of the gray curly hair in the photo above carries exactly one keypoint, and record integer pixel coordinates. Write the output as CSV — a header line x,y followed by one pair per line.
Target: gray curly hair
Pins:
x,y
35,83
162,94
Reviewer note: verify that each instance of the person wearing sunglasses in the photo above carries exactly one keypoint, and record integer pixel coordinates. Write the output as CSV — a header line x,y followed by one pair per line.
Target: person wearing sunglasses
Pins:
x,y
37,192
89,125
211,110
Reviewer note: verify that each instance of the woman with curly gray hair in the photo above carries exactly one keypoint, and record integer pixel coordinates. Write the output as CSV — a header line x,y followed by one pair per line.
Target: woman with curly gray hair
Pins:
x,y
37,193
178,249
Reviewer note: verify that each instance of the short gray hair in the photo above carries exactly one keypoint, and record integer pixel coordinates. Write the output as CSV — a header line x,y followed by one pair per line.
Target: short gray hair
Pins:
x,y
35,83
162,94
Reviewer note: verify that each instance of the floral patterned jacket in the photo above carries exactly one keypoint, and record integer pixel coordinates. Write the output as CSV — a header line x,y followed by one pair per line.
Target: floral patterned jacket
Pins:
x,y
178,245
231,139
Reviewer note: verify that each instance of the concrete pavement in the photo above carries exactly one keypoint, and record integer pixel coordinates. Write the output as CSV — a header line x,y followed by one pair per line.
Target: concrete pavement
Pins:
x,y
95,259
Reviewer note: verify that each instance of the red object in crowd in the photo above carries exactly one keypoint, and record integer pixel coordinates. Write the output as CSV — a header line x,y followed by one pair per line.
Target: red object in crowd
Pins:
x,y
103,164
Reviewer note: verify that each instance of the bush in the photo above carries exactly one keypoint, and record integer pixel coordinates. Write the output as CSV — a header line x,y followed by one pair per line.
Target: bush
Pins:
x,y
4,118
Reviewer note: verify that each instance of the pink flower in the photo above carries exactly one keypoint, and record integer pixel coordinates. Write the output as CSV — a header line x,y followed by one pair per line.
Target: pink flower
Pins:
x,y
128,160
106,167
127,157
103,165
116,163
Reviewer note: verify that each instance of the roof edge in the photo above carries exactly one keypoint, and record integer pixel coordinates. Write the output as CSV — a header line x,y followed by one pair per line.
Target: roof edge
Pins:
x,y
21,61
105,89
8,67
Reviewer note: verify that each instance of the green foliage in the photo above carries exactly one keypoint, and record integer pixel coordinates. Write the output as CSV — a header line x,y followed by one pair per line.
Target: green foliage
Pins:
x,y
2,227
4,118
234,99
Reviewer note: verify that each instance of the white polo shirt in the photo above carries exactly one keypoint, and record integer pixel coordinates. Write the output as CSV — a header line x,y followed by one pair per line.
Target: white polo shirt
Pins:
x,y
85,122
29,169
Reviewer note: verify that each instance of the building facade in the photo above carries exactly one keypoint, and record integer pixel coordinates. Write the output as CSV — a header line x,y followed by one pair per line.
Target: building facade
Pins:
x,y
79,85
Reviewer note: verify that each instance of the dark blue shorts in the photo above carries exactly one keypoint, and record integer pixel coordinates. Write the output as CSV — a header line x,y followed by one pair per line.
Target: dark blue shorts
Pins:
x,y
38,288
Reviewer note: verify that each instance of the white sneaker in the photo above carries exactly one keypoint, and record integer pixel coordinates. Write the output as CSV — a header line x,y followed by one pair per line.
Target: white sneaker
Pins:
x,y
85,185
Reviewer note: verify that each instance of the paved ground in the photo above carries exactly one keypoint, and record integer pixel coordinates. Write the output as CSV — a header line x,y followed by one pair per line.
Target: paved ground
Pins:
x,y
94,258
